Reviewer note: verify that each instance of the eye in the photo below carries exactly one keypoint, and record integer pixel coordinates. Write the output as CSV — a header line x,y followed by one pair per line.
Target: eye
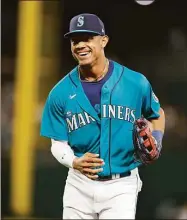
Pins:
x,y
90,38
83,38
73,42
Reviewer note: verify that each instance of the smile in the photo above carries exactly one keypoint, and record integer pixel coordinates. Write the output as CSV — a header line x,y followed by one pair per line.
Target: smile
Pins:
x,y
84,54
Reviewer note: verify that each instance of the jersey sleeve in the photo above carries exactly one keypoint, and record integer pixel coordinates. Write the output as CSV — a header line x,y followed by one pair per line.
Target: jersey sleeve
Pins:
x,y
53,124
150,105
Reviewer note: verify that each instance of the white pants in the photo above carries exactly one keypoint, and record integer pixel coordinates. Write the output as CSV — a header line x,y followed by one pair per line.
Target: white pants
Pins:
x,y
88,199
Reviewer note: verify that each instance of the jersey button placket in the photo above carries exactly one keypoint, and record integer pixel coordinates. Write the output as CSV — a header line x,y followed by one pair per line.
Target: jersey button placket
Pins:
x,y
104,139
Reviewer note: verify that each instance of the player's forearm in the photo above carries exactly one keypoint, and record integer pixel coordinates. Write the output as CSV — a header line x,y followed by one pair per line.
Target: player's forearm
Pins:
x,y
158,127
63,153
159,123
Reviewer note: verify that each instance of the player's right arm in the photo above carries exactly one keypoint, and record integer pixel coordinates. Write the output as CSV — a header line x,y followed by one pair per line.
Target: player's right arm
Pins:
x,y
53,126
87,164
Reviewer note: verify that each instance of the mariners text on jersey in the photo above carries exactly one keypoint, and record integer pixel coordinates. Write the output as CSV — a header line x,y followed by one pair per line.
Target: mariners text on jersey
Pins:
x,y
79,120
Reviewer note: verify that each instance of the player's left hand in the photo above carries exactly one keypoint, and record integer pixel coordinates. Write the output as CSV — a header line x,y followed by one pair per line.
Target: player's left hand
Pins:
x,y
146,149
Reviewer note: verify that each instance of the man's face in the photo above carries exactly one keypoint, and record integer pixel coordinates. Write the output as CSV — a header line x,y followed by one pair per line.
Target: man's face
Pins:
x,y
87,48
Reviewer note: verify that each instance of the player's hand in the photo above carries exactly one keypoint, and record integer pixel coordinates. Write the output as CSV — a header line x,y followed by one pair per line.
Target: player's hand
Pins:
x,y
89,165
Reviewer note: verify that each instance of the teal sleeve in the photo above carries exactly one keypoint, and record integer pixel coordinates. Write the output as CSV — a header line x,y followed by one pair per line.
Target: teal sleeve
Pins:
x,y
53,124
150,105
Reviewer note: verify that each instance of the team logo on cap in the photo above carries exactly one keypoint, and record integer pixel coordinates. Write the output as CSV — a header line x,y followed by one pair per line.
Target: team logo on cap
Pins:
x,y
80,21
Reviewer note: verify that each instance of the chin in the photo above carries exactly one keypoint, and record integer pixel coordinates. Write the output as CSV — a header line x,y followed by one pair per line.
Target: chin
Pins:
x,y
85,62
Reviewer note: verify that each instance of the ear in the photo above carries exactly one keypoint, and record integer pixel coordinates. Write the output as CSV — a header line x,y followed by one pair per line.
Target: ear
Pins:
x,y
104,41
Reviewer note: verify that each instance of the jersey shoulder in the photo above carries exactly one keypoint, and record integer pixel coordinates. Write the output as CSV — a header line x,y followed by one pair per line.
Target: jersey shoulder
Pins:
x,y
133,76
136,77
62,88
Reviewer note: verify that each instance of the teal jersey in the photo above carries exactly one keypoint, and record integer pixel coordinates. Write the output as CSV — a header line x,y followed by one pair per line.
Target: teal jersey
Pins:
x,y
125,96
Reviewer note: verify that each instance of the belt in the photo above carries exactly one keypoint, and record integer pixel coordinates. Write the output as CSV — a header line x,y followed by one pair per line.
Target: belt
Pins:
x,y
113,176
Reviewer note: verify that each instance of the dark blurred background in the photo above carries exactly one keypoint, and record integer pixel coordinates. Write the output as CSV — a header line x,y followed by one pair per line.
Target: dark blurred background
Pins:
x,y
150,39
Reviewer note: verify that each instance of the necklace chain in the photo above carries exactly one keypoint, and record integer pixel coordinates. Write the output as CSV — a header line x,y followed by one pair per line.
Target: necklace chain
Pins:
x,y
100,76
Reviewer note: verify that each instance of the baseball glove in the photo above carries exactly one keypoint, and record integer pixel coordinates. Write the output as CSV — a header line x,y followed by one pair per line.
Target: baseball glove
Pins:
x,y
145,145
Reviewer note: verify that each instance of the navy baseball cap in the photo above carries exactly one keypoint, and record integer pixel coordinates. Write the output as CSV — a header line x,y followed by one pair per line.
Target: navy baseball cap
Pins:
x,y
86,23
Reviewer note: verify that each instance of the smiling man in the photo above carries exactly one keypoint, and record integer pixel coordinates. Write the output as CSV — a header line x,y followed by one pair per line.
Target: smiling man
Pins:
x,y
92,117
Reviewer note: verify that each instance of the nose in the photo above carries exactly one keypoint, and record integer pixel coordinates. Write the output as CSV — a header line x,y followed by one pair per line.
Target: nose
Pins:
x,y
80,45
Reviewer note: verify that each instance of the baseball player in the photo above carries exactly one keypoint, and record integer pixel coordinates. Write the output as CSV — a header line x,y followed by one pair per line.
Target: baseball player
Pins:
x,y
104,121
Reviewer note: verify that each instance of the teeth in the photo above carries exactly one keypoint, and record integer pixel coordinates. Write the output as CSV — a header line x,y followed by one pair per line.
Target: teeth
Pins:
x,y
84,53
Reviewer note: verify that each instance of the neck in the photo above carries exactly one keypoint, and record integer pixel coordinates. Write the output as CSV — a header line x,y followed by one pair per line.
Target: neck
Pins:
x,y
95,70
